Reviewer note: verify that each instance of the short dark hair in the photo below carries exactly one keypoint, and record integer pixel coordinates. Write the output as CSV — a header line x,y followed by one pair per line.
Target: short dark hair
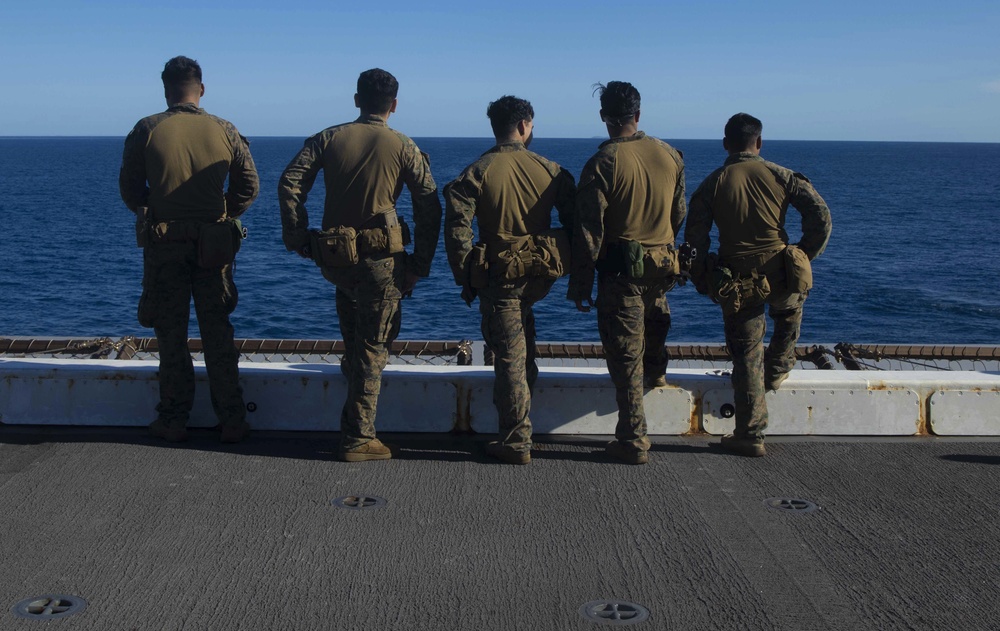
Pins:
x,y
506,112
377,89
742,131
619,101
181,72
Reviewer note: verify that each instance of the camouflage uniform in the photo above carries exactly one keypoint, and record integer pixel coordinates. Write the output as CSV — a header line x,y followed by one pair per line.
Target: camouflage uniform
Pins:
x,y
748,199
632,189
511,192
365,165
186,193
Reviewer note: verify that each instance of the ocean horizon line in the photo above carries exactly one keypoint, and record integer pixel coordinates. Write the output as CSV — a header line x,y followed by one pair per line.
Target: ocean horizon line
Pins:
x,y
539,138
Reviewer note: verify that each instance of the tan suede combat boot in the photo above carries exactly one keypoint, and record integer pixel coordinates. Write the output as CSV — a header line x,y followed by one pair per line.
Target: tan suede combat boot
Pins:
x,y
626,453
170,432
503,453
656,382
372,450
234,432
772,381
749,447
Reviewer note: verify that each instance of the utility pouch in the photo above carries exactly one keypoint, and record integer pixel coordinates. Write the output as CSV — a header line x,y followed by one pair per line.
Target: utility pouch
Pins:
x,y
479,267
798,270
336,247
218,243
404,229
553,253
512,259
143,224
660,262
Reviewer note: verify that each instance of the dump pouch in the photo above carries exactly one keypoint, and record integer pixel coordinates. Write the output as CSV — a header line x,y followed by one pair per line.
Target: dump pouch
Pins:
x,y
554,251
336,247
218,243
479,267
798,270
143,223
512,259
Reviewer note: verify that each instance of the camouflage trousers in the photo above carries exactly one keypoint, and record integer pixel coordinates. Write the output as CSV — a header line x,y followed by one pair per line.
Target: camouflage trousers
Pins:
x,y
171,277
745,331
633,318
368,297
508,325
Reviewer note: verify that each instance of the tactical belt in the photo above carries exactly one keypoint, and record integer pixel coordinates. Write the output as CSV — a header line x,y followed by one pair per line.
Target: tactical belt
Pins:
x,y
746,264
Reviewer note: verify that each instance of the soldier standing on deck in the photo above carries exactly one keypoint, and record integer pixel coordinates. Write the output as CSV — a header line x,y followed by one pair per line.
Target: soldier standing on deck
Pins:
x,y
511,192
630,206
747,199
185,224
360,247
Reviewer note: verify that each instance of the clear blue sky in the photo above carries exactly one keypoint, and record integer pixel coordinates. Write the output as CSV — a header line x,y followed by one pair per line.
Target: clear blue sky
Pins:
x,y
845,70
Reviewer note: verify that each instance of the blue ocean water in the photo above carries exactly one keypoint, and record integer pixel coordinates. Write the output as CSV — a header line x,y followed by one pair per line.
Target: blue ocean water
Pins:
x,y
912,258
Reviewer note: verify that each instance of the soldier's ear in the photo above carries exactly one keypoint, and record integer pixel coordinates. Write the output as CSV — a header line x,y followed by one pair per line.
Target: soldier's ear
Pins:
x,y
392,110
760,141
357,101
637,116
602,116
202,91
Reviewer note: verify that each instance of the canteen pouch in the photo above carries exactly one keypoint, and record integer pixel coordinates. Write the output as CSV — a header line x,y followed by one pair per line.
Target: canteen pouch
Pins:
x,y
798,270
661,262
336,247
624,257
143,220
479,267
634,254
218,243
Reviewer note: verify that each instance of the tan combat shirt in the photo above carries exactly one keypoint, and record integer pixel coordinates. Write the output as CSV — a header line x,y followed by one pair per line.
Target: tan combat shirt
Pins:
x,y
631,189
748,198
511,192
185,155
365,165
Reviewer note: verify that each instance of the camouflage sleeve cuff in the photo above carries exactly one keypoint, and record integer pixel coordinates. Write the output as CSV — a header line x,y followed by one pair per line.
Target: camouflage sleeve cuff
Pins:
x,y
295,240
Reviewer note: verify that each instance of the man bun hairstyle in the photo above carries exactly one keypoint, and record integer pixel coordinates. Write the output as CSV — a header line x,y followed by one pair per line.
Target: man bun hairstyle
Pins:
x,y
377,89
181,73
742,131
506,112
619,102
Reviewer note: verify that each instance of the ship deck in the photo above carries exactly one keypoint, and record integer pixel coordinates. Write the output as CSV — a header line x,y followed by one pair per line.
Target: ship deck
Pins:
x,y
202,536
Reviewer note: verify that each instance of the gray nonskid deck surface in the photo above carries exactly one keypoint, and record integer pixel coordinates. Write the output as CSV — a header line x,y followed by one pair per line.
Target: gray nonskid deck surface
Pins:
x,y
204,537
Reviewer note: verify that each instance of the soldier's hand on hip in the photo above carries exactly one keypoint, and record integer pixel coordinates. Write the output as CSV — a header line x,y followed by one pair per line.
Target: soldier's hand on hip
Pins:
x,y
584,304
305,251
